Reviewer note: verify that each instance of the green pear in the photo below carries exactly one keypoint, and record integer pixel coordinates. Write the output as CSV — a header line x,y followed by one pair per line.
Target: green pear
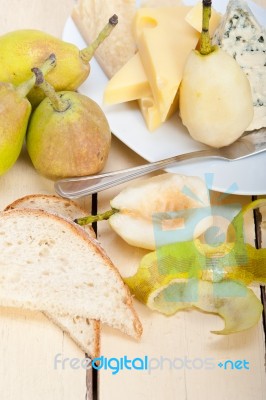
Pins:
x,y
215,95
15,111
68,134
22,50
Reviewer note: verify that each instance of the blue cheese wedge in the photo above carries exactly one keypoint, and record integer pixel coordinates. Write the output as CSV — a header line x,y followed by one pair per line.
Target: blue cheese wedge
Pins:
x,y
240,35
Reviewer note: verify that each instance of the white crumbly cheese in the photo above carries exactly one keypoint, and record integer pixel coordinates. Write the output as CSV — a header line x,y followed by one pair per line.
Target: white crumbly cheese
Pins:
x,y
240,35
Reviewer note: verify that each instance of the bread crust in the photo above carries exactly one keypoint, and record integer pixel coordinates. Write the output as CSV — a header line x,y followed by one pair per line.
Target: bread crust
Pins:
x,y
64,202
95,246
94,350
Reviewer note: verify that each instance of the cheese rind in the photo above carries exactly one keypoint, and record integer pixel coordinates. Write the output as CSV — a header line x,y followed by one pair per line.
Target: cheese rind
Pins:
x,y
241,36
129,83
164,40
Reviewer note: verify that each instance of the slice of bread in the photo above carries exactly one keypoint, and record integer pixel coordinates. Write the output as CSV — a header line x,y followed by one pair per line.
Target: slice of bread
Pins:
x,y
54,204
90,16
85,332
50,264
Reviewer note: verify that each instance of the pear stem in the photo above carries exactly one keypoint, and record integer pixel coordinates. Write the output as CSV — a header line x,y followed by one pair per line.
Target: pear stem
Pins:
x,y
87,53
205,41
25,87
58,104
94,218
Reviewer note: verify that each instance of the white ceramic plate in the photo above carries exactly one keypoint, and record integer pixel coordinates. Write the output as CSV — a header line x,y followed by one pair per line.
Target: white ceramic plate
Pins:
x,y
240,177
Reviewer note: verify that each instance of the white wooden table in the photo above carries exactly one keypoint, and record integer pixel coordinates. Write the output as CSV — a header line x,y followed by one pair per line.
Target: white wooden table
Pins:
x,y
29,342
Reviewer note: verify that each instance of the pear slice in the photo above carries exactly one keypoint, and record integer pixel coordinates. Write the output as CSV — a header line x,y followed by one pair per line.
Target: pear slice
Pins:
x,y
158,210
163,209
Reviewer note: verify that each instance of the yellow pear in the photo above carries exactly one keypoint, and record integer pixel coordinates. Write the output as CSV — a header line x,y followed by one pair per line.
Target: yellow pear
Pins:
x,y
68,134
15,111
159,210
215,95
22,50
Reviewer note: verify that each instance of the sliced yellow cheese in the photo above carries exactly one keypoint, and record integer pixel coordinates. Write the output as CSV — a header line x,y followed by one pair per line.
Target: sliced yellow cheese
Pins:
x,y
194,18
129,83
164,40
150,112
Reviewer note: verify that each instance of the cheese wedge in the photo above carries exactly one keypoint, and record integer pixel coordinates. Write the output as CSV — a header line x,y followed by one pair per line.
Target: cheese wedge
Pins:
x,y
164,40
194,18
129,83
150,112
